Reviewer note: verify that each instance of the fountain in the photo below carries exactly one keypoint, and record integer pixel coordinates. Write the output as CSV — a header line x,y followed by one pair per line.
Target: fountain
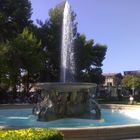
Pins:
x,y
67,99
67,48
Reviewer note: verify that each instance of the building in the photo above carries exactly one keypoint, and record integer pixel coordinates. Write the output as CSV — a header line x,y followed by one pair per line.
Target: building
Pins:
x,y
112,79
110,86
134,72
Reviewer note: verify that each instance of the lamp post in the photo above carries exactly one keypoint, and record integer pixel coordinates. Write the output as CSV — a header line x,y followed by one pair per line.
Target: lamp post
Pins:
x,y
133,86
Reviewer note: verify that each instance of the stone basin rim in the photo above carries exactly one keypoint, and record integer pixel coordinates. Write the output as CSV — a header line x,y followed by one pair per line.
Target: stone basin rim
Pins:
x,y
75,86
76,128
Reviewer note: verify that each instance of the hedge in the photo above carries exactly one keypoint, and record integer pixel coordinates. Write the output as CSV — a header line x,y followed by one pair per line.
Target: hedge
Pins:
x,y
31,134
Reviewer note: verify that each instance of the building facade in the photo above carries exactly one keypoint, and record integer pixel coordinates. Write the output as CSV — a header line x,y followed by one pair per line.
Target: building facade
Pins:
x,y
112,79
134,72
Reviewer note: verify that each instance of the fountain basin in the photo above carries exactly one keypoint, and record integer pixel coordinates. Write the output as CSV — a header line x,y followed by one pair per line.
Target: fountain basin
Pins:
x,y
66,100
102,131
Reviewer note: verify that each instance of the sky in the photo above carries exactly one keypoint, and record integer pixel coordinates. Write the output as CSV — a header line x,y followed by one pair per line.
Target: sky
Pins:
x,y
115,23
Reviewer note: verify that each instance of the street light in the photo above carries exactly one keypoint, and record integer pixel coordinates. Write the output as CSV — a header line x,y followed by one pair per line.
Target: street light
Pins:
x,y
133,86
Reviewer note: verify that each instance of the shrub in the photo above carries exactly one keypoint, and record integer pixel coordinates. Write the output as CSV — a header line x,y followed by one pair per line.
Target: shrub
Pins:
x,y
31,134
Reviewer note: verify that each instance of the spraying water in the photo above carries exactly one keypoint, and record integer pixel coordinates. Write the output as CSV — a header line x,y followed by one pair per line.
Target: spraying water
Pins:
x,y
67,69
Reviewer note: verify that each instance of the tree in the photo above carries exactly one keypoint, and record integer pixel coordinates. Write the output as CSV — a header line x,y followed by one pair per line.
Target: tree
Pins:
x,y
131,81
14,16
24,60
89,58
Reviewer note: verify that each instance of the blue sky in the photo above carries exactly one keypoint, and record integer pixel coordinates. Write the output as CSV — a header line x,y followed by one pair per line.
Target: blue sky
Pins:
x,y
115,23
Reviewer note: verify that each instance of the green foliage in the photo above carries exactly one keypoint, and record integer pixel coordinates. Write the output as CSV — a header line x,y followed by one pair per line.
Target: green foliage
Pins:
x,y
31,134
89,58
26,48
56,14
25,55
131,81
14,16
21,54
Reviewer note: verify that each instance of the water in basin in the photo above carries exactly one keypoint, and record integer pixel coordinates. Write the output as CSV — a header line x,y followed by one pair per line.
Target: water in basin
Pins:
x,y
24,117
